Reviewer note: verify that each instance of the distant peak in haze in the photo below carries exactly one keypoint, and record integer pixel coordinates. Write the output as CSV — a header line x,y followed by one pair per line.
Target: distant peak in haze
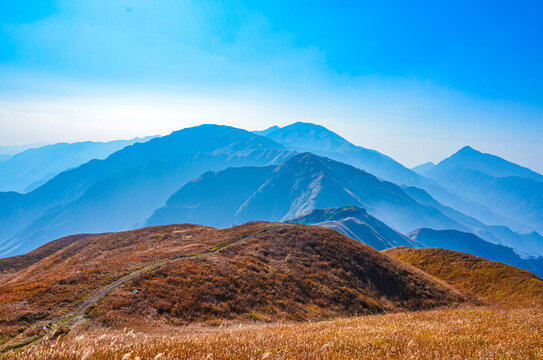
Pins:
x,y
265,132
424,167
472,159
467,150
308,136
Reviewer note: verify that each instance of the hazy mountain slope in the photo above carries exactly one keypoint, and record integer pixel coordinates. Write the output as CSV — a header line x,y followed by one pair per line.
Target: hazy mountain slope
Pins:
x,y
4,157
15,149
491,281
115,193
473,209
300,184
471,159
317,139
255,271
321,141
357,224
528,244
472,244
507,188
31,168
515,197
423,167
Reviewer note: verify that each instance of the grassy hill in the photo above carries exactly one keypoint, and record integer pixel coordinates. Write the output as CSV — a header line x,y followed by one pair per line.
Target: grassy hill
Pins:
x,y
191,274
491,281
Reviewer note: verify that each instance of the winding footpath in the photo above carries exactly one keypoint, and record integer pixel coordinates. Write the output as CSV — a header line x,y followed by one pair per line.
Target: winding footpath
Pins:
x,y
65,322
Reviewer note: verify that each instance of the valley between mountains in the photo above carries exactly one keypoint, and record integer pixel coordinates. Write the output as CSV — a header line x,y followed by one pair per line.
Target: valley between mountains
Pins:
x,y
216,243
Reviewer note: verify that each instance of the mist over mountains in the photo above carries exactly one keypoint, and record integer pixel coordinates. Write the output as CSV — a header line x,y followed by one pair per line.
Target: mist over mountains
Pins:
x,y
509,189
30,168
222,176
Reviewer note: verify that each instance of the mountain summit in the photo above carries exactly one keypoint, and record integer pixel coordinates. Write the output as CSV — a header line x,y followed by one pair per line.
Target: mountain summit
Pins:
x,y
308,137
492,165
298,185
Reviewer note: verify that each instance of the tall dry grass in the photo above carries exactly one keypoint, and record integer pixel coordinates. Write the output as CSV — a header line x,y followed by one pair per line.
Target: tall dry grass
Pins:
x,y
467,333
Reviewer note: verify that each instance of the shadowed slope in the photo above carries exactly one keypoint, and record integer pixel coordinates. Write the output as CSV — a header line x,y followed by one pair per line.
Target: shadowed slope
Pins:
x,y
491,281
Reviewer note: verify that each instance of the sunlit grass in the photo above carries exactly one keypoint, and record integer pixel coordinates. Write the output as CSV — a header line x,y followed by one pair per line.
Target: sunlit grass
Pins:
x,y
467,333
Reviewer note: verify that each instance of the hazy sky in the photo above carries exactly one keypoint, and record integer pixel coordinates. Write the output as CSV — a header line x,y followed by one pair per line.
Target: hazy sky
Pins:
x,y
415,80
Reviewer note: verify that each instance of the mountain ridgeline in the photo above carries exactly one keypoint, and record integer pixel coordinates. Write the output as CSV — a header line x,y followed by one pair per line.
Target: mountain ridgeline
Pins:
x,y
509,189
27,170
121,191
222,176
302,183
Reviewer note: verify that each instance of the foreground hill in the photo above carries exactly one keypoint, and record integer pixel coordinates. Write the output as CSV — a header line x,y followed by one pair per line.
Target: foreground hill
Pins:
x,y
357,224
31,168
189,273
491,281
472,244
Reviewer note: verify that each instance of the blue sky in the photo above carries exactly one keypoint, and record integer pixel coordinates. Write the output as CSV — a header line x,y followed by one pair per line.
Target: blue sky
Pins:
x,y
415,80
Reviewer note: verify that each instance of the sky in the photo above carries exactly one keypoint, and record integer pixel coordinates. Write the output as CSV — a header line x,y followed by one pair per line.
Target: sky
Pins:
x,y
415,80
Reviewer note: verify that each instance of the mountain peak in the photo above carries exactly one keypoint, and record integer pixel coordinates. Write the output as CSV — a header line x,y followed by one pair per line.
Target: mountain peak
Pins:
x,y
492,165
308,137
467,150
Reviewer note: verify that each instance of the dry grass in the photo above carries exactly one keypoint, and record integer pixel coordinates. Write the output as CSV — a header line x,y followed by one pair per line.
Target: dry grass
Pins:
x,y
468,333
293,272
491,281
296,272
56,283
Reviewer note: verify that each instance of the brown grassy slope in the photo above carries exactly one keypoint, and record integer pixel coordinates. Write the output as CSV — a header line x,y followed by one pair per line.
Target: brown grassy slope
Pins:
x,y
491,281
474,333
297,272
61,281
19,262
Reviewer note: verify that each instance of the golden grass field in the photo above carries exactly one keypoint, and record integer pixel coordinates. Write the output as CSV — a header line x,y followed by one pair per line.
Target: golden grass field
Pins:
x,y
464,333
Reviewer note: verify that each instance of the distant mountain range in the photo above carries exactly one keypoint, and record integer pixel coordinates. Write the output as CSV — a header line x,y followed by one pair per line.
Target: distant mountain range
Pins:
x,y
10,150
29,169
302,183
509,189
307,137
122,190
471,159
356,223
220,176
